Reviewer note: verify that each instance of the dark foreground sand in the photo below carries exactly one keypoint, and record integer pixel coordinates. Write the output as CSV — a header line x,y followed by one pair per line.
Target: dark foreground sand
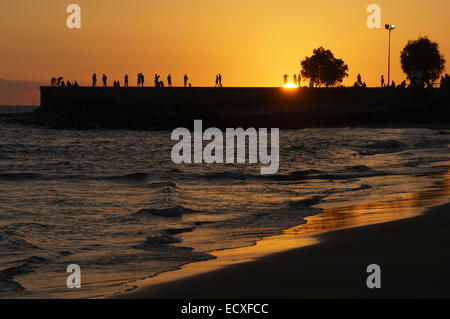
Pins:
x,y
414,255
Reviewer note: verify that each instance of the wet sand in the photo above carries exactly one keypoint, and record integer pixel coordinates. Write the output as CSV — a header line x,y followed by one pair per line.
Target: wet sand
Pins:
x,y
413,253
328,257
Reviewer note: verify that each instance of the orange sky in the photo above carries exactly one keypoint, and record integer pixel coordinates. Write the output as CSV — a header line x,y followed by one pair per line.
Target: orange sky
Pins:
x,y
252,43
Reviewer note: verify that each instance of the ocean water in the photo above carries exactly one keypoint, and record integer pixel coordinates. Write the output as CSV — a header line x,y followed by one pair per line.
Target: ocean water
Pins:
x,y
114,203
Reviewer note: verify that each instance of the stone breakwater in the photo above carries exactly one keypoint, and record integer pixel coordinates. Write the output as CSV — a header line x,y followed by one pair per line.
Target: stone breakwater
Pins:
x,y
169,108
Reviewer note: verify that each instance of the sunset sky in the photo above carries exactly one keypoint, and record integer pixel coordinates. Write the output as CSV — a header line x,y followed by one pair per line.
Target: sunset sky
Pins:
x,y
252,43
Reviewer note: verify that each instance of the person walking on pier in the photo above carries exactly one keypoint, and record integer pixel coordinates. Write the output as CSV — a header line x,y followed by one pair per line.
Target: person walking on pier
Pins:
x,y
105,79
125,82
185,80
217,80
285,77
169,80
94,80
220,80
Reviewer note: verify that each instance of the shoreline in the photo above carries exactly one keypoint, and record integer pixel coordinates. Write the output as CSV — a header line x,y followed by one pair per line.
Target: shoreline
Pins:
x,y
309,260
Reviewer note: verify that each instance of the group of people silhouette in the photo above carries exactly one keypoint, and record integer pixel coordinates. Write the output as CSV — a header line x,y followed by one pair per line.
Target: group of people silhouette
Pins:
x,y
296,79
140,81
59,82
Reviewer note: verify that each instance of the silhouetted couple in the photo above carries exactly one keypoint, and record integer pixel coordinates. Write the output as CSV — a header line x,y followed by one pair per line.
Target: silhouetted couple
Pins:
x,y
219,80
140,80
297,79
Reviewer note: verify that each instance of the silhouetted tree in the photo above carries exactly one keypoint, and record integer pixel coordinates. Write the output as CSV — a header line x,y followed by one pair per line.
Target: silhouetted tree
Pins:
x,y
422,55
323,69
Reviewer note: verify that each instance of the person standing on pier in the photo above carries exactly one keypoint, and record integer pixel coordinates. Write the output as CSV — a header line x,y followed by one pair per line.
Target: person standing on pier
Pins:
x,y
94,80
125,82
285,77
169,80
105,79
220,80
185,80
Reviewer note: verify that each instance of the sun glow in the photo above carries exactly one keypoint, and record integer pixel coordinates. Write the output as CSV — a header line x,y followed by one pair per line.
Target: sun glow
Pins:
x,y
290,86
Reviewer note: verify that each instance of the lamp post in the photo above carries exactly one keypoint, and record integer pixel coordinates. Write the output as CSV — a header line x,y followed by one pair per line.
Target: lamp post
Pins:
x,y
389,27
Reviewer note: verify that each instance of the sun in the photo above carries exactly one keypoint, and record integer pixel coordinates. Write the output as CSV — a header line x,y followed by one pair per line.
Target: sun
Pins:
x,y
290,86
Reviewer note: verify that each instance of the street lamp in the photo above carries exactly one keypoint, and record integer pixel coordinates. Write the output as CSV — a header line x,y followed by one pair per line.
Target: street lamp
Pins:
x,y
389,27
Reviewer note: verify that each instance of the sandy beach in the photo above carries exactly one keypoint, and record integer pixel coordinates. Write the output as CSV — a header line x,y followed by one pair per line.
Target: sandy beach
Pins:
x,y
412,253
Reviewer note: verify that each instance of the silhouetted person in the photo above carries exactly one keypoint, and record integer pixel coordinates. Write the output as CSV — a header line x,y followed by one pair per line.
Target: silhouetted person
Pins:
x,y
403,84
393,85
161,84
382,81
105,79
69,85
217,80
62,84
285,77
358,79
53,81
220,80
295,79
94,80
60,80
75,84
185,80
169,80
157,80
299,80
190,85
125,81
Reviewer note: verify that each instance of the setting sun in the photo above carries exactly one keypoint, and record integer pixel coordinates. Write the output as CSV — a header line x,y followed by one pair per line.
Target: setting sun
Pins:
x,y
290,86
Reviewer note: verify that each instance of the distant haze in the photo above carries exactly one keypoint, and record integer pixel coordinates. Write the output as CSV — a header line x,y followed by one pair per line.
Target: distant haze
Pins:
x,y
251,43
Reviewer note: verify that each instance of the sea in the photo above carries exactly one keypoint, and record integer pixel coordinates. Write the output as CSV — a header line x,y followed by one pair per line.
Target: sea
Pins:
x,y
114,203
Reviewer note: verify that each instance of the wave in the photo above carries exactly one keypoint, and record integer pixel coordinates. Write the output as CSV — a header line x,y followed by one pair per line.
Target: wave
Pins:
x,y
162,184
307,202
19,176
8,285
158,241
138,176
176,211
229,175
